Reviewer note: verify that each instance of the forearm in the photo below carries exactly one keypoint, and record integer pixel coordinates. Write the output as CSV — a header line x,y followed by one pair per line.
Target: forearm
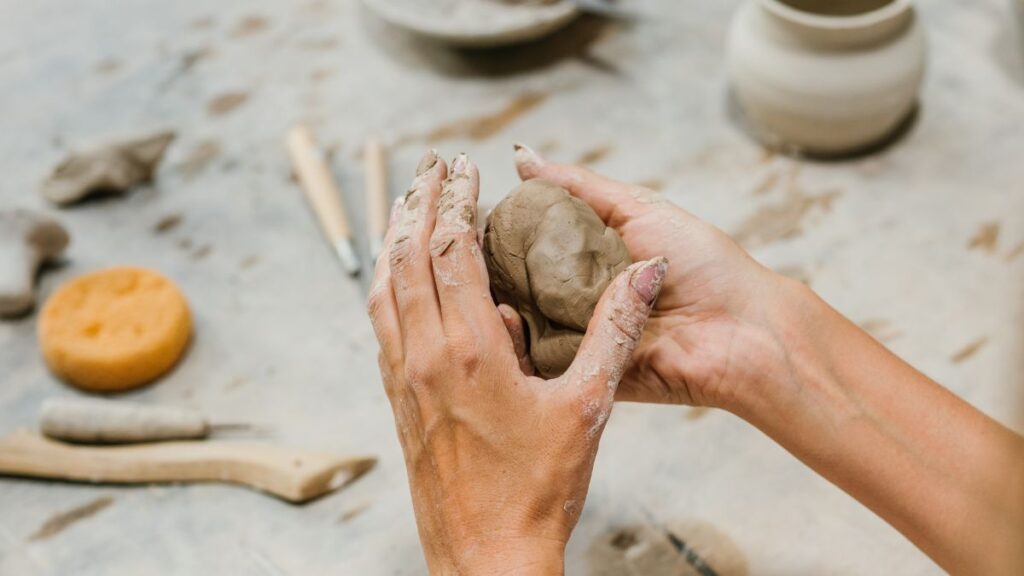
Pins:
x,y
948,477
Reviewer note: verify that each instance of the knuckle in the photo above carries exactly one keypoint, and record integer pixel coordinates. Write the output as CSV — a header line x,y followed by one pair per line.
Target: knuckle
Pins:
x,y
464,354
421,369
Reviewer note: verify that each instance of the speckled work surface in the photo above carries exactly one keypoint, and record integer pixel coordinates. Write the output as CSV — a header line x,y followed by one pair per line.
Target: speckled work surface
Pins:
x,y
922,243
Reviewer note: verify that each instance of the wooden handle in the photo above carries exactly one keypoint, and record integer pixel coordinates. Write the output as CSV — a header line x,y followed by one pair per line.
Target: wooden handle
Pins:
x,y
377,197
293,475
318,183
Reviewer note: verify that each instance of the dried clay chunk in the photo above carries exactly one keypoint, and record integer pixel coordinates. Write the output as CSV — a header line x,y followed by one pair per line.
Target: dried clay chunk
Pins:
x,y
550,257
115,329
113,167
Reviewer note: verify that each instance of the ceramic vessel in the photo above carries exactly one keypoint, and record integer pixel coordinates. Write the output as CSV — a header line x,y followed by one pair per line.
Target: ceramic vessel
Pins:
x,y
826,76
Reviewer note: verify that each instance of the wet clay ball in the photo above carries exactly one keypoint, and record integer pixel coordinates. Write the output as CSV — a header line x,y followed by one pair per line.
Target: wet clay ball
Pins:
x,y
550,257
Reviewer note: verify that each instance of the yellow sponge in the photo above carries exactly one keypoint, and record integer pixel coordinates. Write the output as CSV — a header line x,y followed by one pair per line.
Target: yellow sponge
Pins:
x,y
114,329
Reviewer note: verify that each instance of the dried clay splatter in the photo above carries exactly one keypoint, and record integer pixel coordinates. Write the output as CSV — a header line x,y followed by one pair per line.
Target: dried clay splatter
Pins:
x,y
225,103
679,549
353,512
59,522
880,329
199,157
250,25
986,238
594,155
969,350
482,127
167,223
783,219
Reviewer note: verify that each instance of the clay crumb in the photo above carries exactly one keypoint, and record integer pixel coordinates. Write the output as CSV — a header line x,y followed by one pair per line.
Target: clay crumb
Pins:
x,y
225,103
353,512
249,262
199,157
655,184
107,66
482,127
594,155
61,521
167,223
201,252
235,383
697,412
250,25
969,350
986,238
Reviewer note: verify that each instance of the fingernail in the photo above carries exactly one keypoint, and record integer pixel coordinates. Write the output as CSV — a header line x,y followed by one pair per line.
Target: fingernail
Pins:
x,y
459,164
427,162
648,278
525,155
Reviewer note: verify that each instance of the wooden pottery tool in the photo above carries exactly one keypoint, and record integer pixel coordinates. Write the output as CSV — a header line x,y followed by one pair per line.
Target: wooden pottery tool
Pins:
x,y
93,421
377,197
323,194
293,475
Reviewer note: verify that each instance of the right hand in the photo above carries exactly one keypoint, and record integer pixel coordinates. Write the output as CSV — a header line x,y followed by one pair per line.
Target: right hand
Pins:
x,y
712,333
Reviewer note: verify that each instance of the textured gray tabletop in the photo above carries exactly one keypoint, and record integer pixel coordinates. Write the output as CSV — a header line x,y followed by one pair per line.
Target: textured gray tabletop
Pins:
x,y
922,243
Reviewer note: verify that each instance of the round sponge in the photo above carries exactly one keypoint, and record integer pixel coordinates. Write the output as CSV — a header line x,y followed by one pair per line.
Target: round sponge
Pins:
x,y
115,329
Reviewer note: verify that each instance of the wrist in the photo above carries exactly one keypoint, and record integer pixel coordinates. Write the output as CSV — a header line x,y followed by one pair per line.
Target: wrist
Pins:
x,y
512,556
782,344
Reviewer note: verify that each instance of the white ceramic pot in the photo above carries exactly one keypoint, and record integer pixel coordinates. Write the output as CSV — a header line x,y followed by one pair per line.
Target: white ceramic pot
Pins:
x,y
826,76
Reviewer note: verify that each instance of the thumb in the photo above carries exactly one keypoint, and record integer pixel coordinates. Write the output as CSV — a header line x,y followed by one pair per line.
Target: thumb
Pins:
x,y
616,327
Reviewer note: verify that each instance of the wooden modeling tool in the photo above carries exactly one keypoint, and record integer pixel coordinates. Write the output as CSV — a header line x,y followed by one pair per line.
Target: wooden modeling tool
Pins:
x,y
323,194
377,197
294,475
93,421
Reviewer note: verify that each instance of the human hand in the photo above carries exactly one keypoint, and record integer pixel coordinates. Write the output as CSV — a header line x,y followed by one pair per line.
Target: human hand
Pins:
x,y
499,462
712,334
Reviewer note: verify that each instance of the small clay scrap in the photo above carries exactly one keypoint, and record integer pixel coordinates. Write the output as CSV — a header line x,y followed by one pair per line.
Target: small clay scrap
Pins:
x,y
27,240
691,548
551,257
114,167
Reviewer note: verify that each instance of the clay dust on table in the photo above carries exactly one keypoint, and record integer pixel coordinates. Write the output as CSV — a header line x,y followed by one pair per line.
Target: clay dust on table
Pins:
x,y
481,127
61,521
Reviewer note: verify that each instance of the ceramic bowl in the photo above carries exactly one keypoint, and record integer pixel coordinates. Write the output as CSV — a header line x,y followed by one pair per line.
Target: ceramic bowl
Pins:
x,y
475,23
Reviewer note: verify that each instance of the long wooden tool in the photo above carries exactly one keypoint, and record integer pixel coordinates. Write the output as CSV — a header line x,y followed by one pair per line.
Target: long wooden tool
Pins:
x,y
377,204
296,476
323,194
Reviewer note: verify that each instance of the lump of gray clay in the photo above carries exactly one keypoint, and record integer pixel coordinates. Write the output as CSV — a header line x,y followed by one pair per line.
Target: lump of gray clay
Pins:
x,y
27,240
550,257
114,167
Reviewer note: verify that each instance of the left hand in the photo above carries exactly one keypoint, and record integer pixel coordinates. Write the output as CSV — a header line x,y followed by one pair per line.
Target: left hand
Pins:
x,y
499,462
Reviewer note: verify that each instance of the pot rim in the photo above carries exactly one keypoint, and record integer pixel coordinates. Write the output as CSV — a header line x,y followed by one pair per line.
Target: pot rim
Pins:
x,y
821,21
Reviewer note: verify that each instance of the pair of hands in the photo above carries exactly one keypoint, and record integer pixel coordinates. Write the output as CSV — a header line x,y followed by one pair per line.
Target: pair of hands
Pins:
x,y
500,461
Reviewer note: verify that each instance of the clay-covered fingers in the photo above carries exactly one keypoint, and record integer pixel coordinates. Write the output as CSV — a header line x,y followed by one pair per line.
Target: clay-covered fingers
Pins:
x,y
381,305
615,329
615,202
460,275
409,253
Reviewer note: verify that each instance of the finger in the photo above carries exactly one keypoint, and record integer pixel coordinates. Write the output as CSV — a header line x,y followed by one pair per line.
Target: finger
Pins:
x,y
614,202
459,272
615,329
409,256
381,303
514,325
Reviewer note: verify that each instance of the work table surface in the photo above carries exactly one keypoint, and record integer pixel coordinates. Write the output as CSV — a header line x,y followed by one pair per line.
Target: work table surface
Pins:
x,y
921,243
